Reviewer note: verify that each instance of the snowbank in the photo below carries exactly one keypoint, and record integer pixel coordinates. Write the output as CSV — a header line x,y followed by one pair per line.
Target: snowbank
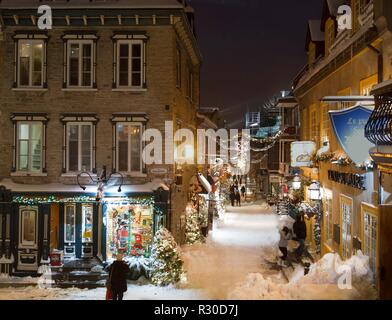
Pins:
x,y
328,279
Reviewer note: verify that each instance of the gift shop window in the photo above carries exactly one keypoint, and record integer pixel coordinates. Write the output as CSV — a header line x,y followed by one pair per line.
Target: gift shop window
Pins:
x,y
87,223
129,230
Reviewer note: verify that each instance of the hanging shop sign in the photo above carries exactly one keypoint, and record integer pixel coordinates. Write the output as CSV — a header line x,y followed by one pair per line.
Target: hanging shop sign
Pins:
x,y
356,181
301,153
159,171
349,127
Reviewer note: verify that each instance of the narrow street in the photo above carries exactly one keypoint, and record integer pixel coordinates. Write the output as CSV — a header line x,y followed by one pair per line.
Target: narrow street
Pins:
x,y
236,248
232,264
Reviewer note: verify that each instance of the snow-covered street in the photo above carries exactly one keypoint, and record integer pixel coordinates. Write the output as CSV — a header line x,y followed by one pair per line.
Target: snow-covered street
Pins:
x,y
231,265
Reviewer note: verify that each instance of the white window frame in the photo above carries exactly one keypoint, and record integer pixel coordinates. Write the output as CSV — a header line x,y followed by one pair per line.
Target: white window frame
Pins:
x,y
80,43
344,244
28,244
130,42
140,125
328,219
31,42
65,223
373,212
90,207
29,170
79,124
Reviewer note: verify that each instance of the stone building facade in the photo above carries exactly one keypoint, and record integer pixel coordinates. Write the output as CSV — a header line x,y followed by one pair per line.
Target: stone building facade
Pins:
x,y
78,97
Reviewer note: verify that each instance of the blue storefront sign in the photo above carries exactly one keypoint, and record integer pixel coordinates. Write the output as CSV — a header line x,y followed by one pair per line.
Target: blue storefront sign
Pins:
x,y
349,127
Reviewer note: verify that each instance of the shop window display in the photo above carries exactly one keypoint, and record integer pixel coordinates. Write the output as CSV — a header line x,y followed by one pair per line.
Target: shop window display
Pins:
x,y
87,223
129,230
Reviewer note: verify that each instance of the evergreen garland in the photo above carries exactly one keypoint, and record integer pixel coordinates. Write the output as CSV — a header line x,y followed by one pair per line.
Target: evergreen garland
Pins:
x,y
167,266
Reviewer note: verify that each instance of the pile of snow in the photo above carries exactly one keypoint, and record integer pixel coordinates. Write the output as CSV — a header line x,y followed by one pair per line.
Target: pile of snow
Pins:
x,y
329,278
97,269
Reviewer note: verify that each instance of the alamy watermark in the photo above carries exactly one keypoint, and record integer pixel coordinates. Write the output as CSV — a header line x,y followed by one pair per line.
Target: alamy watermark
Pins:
x,y
185,146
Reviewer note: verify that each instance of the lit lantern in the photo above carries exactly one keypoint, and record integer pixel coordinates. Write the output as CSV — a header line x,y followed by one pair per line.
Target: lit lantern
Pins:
x,y
314,191
297,182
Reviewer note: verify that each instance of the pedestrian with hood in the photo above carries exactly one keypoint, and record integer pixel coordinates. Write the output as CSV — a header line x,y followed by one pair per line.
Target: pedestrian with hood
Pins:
x,y
118,272
299,229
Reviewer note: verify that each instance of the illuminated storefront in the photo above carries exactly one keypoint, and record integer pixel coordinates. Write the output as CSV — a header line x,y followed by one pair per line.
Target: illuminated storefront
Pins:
x,y
74,222
129,229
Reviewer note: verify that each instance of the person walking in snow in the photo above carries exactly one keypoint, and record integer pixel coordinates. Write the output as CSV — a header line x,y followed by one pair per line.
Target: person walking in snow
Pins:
x,y
243,191
232,195
285,236
237,197
118,272
299,229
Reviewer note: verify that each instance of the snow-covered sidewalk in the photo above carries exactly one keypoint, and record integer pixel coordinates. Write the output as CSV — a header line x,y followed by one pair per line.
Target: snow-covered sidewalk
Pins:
x,y
231,265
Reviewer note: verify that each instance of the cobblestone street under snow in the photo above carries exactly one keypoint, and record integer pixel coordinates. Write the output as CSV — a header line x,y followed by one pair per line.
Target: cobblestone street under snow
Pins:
x,y
231,265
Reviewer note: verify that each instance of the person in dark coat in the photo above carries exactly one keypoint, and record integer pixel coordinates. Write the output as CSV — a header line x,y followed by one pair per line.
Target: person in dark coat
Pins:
x,y
232,195
237,196
118,272
299,229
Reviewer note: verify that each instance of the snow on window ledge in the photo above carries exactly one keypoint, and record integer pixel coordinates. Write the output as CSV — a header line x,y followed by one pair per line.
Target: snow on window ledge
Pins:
x,y
28,174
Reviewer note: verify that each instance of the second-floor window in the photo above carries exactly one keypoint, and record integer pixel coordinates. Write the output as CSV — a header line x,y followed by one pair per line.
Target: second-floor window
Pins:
x,y
129,147
30,63
79,147
130,64
29,146
80,64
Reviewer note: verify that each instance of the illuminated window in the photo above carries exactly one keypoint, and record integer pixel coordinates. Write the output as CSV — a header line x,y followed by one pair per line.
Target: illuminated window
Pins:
x,y
366,85
28,226
87,223
328,209
31,61
29,147
129,229
129,147
69,223
346,211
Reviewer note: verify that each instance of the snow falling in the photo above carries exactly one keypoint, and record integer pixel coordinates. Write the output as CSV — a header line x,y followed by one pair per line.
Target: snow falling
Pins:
x,y
230,265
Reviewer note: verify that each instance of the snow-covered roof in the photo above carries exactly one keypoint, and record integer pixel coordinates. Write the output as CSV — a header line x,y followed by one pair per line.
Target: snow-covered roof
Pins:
x,y
74,4
90,189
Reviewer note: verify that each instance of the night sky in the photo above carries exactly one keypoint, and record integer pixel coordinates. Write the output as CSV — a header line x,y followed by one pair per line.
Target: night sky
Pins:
x,y
252,49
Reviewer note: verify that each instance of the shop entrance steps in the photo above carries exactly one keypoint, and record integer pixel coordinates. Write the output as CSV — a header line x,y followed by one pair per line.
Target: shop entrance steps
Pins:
x,y
78,273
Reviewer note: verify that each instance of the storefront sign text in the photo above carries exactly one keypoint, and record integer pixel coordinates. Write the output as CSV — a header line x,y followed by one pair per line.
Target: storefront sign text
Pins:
x,y
356,181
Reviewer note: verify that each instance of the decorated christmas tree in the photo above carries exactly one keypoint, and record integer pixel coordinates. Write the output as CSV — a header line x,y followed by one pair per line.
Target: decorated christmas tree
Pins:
x,y
192,228
167,263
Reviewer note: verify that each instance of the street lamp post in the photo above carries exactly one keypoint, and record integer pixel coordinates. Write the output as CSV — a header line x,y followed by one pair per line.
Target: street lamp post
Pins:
x,y
297,184
101,181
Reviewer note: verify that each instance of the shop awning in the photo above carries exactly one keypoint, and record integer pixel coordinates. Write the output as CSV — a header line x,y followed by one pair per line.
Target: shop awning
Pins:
x,y
53,188
348,99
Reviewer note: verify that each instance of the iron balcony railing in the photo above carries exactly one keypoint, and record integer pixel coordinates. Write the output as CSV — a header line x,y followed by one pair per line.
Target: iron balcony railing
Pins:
x,y
378,130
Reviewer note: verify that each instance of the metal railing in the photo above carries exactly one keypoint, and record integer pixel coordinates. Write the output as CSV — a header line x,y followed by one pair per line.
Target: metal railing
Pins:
x,y
379,127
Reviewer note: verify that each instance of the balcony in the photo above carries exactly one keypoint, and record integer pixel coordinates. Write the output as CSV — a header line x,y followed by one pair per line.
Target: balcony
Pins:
x,y
378,130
